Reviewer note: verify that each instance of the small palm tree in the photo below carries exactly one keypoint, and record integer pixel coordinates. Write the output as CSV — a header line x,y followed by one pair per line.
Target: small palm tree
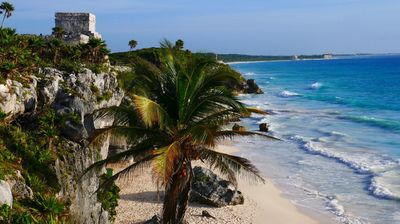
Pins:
x,y
179,44
7,9
132,44
178,115
58,32
96,50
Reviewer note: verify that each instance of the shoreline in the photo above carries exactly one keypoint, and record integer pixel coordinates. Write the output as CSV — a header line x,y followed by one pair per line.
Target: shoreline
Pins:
x,y
268,61
139,203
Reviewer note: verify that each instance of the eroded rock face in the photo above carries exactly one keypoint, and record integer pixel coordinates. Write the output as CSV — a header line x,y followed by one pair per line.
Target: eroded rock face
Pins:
x,y
81,95
19,189
5,194
208,188
68,94
16,99
251,87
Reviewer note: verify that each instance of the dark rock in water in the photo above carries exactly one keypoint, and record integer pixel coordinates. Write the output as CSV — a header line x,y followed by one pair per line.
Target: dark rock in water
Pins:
x,y
237,127
264,127
154,220
209,189
252,87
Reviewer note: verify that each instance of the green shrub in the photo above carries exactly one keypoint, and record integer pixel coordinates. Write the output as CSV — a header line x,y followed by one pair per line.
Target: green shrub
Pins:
x,y
106,96
2,115
109,197
70,66
48,207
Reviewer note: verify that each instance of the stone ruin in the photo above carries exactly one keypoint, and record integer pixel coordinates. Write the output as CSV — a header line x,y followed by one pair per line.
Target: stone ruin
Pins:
x,y
78,27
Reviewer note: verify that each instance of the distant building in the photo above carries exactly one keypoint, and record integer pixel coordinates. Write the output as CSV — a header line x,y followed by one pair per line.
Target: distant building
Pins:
x,y
78,27
328,56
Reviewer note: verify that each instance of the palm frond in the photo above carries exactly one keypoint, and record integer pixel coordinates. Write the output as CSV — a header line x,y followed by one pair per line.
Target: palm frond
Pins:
x,y
130,132
230,165
125,173
141,149
151,112
256,111
164,164
230,134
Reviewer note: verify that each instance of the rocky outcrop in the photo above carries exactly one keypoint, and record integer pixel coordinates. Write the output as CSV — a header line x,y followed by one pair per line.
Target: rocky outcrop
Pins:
x,y
264,127
18,186
5,194
237,127
16,99
78,96
208,188
251,87
81,95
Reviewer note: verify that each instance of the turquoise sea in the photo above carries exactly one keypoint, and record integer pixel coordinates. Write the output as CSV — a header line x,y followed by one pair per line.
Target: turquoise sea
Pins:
x,y
340,125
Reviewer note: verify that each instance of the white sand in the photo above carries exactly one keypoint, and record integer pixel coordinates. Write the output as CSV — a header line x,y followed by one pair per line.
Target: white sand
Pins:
x,y
263,204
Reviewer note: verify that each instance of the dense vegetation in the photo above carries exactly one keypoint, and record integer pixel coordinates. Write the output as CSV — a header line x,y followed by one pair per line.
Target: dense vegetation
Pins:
x,y
32,150
22,55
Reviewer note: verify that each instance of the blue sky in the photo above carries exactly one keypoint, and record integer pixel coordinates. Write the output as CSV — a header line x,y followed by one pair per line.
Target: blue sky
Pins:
x,y
268,27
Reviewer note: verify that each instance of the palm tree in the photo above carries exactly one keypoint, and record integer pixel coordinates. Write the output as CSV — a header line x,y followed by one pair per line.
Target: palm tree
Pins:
x,y
7,9
178,114
96,50
132,44
58,32
179,44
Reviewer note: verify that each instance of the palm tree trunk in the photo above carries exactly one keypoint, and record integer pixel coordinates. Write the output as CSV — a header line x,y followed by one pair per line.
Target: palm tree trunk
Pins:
x,y
184,195
177,195
171,201
4,18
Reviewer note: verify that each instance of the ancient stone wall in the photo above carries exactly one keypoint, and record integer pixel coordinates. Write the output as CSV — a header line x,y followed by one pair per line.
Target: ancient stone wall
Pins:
x,y
79,27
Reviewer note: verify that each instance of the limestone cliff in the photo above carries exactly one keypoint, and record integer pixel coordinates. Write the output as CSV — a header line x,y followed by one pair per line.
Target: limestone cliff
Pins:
x,y
78,94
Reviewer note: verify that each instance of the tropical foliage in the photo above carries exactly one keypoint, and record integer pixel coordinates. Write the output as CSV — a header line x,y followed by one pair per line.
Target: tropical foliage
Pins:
x,y
33,151
178,114
22,55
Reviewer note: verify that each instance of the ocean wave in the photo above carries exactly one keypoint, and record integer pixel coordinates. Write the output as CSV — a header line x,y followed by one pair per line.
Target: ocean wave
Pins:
x,y
376,122
332,205
249,74
365,163
287,93
315,85
382,185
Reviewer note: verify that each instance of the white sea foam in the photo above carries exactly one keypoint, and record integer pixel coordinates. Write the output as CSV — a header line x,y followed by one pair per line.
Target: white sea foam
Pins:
x,y
363,162
386,185
287,93
366,163
333,205
315,85
249,73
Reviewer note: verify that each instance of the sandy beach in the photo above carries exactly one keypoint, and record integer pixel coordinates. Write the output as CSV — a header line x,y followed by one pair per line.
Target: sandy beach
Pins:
x,y
263,203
